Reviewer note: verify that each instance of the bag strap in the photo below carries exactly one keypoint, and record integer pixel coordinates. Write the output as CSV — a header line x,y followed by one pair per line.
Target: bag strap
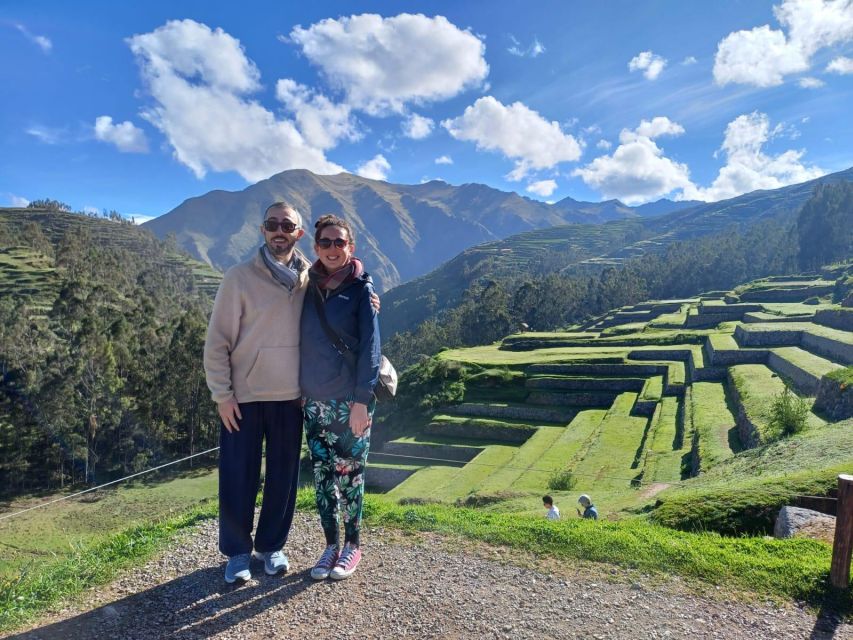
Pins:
x,y
338,343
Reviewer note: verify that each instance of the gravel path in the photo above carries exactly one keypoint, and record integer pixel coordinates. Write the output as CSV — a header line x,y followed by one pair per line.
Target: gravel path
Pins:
x,y
412,586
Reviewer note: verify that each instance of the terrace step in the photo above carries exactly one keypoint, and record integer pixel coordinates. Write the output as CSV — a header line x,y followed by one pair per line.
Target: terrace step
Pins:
x,y
576,399
561,415
763,316
715,433
825,341
663,448
412,452
841,319
802,368
479,429
620,369
385,478
527,456
569,383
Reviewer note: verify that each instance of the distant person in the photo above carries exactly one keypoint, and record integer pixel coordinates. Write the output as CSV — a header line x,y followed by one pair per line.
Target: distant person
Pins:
x,y
589,510
340,354
553,511
251,360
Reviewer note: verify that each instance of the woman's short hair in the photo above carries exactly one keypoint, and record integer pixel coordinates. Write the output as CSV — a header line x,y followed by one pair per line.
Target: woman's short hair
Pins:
x,y
331,220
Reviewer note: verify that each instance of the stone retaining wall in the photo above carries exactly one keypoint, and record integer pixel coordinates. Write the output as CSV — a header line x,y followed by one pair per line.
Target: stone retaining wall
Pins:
x,y
598,369
586,384
730,357
426,450
829,348
836,318
781,294
747,431
477,431
527,413
581,399
803,381
385,479
777,338
834,400
710,319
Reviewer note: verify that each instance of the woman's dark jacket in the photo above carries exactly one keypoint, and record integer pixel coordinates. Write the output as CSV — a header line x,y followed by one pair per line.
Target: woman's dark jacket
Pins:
x,y
324,373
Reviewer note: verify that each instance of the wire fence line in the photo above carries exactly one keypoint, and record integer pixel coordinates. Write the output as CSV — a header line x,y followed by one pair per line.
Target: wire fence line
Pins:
x,y
106,484
635,481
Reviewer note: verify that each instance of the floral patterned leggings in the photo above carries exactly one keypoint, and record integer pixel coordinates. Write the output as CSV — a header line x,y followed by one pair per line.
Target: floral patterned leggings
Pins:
x,y
339,459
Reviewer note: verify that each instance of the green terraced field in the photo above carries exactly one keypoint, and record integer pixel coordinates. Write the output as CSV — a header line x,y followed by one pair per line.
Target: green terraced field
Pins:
x,y
666,446
713,423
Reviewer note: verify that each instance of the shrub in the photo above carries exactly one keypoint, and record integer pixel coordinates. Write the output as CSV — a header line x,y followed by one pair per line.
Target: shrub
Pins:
x,y
562,481
789,413
812,300
485,499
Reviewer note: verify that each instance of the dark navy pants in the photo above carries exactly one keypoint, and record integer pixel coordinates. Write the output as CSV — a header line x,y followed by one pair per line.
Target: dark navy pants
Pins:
x,y
280,424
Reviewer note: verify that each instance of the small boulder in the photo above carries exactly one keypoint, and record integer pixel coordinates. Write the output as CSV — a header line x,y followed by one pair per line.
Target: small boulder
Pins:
x,y
796,521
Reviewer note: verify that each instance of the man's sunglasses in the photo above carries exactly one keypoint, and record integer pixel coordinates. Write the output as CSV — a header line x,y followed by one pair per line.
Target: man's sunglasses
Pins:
x,y
325,243
286,225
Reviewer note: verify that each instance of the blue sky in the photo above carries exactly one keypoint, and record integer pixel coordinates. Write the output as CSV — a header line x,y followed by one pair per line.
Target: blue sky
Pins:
x,y
138,106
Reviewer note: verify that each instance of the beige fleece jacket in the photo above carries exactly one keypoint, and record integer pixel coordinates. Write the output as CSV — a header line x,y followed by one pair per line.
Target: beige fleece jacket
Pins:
x,y
252,348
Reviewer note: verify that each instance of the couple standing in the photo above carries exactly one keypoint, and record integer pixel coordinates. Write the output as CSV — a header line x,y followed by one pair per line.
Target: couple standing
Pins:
x,y
270,363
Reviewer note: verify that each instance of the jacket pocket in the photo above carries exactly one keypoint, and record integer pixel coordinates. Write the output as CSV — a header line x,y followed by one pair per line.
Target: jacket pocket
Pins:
x,y
276,369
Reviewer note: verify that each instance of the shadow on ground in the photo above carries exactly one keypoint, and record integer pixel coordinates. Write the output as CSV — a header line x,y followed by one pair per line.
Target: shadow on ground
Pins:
x,y
198,605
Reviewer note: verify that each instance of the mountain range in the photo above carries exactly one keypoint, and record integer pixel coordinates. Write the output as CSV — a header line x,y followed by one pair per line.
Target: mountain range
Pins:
x,y
586,247
402,231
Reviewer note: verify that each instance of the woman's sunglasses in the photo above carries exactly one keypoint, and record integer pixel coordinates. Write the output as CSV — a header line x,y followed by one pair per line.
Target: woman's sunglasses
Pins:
x,y
325,243
286,225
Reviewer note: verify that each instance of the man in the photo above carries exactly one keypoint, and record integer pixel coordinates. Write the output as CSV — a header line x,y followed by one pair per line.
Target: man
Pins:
x,y
553,511
251,360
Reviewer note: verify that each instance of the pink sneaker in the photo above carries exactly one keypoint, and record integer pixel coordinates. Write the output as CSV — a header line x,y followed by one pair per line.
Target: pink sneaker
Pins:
x,y
350,557
324,565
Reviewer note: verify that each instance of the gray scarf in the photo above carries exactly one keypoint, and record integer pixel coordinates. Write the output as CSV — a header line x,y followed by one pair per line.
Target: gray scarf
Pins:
x,y
286,275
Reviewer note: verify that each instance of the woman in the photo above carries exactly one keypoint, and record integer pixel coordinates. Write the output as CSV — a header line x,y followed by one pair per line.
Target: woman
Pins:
x,y
339,368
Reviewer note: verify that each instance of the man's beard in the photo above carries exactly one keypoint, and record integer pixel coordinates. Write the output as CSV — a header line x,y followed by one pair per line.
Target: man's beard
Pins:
x,y
280,250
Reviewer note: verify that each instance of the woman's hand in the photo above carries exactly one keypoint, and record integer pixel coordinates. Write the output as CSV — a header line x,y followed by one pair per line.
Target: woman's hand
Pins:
x,y
359,421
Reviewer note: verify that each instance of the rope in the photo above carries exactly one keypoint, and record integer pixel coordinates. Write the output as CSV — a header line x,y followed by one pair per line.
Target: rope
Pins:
x,y
106,484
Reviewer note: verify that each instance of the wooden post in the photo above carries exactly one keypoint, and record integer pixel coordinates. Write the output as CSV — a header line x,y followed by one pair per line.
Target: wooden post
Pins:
x,y
839,574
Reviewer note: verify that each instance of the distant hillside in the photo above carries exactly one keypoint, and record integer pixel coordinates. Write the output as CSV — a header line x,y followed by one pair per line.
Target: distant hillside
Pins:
x,y
404,231
27,270
586,247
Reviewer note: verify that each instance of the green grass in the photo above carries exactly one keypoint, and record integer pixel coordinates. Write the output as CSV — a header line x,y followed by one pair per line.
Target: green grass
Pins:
x,y
714,424
757,386
87,564
563,452
665,449
653,389
794,568
807,361
843,376
528,456
54,531
608,462
744,493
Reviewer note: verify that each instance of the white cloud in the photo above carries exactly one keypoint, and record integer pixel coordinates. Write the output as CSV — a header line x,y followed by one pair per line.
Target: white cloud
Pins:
x,y
688,61
516,131
417,127
43,42
542,188
649,63
91,210
763,56
535,49
126,136
384,63
140,219
199,79
603,145
444,160
18,201
656,127
376,169
321,122
811,83
748,167
638,170
840,65
47,135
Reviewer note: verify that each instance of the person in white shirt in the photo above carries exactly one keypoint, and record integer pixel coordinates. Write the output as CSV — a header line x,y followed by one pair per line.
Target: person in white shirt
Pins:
x,y
553,511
